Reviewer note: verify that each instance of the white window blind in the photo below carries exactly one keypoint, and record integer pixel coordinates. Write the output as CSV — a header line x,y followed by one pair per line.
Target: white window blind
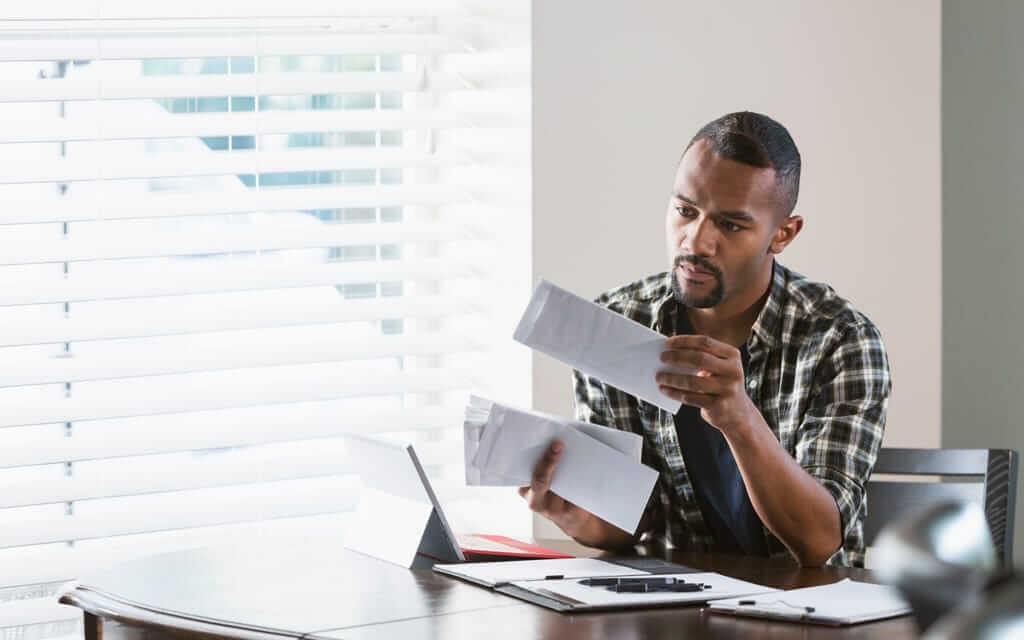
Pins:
x,y
230,233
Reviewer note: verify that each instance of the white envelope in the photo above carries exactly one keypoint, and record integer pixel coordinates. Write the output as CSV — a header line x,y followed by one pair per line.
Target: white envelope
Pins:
x,y
603,481
478,420
597,341
608,481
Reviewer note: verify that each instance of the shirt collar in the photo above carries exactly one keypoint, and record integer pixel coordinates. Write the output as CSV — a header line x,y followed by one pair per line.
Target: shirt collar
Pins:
x,y
665,313
765,328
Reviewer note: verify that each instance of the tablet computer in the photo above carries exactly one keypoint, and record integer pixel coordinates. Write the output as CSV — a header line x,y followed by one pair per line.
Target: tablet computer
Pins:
x,y
399,508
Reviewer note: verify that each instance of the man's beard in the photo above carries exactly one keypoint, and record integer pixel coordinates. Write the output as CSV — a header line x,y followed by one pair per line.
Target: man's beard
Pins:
x,y
689,300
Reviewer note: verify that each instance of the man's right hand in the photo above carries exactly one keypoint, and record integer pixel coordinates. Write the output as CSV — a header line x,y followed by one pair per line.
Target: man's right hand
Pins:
x,y
578,523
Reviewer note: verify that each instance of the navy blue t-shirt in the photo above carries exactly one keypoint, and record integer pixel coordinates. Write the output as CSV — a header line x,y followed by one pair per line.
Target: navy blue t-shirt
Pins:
x,y
717,483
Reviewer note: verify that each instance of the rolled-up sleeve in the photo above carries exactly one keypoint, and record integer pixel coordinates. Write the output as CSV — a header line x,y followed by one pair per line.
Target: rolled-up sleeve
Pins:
x,y
842,429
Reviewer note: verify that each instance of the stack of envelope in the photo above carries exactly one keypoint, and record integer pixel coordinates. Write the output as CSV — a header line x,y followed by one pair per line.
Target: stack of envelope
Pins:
x,y
599,469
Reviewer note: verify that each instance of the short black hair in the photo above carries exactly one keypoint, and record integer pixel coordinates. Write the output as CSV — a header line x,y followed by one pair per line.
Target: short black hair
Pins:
x,y
759,141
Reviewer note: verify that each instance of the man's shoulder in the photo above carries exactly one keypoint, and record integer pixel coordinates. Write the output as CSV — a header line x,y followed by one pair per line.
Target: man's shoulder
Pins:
x,y
639,299
817,303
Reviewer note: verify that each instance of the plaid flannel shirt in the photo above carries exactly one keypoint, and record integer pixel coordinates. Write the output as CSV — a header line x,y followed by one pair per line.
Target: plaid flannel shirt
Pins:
x,y
819,375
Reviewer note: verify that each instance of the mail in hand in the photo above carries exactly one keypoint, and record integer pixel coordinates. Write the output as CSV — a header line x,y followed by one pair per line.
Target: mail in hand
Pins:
x,y
597,341
599,469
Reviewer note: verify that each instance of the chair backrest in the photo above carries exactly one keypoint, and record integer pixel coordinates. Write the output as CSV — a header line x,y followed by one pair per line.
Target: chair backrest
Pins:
x,y
996,491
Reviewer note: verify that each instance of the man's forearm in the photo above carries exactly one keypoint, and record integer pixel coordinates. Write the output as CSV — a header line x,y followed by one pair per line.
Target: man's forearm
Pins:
x,y
791,503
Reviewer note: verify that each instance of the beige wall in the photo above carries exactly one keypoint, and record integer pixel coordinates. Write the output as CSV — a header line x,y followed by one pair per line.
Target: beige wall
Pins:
x,y
619,87
982,201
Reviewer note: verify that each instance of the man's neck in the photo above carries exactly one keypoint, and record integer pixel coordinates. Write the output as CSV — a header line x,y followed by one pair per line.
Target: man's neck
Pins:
x,y
732,320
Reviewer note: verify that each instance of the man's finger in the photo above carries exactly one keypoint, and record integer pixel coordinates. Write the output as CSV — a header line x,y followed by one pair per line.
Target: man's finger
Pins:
x,y
537,500
547,503
545,468
713,385
688,358
702,343
691,398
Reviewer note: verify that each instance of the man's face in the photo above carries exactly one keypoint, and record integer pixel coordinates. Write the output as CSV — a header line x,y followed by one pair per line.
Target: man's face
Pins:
x,y
720,224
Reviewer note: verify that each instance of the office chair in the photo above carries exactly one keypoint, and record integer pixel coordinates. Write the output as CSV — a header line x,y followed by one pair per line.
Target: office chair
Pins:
x,y
997,492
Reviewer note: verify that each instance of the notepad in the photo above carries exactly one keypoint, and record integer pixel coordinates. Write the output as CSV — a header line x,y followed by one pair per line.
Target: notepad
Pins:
x,y
841,603
572,585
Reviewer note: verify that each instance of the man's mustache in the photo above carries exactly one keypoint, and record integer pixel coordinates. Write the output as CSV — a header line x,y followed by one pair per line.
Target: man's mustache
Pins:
x,y
700,262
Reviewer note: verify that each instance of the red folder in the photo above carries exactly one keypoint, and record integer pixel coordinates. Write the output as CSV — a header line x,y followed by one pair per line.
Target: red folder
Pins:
x,y
480,547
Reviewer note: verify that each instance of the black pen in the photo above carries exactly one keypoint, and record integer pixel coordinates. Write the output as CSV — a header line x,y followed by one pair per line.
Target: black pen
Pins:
x,y
645,585
689,587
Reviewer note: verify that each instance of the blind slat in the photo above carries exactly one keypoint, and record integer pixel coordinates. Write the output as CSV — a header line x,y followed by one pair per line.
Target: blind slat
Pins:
x,y
36,611
262,351
182,280
224,202
228,394
262,84
56,564
237,238
26,45
283,503
122,438
183,164
226,469
88,10
180,125
229,316
182,476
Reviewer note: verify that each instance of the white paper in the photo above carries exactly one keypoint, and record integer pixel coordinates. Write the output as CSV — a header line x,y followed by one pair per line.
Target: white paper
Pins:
x,y
623,441
603,481
597,341
478,419
476,474
608,482
627,442
843,602
721,587
494,573
514,441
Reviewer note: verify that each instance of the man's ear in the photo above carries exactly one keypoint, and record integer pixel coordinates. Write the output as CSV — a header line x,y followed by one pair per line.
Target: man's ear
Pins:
x,y
785,233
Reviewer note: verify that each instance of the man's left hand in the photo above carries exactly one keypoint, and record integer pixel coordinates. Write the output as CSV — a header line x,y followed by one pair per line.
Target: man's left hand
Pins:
x,y
716,387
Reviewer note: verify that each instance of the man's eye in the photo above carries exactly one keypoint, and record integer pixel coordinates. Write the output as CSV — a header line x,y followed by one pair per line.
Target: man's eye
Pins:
x,y
687,212
732,227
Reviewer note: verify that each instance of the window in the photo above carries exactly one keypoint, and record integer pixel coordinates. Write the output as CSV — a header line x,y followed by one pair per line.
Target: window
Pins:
x,y
232,232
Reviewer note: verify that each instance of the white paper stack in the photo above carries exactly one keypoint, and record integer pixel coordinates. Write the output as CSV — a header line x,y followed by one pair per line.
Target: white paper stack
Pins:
x,y
599,469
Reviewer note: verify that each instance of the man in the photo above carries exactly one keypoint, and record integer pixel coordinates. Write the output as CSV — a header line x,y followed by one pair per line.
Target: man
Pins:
x,y
784,413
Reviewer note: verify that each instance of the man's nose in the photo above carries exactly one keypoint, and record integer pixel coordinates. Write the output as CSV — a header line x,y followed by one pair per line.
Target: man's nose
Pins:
x,y
700,237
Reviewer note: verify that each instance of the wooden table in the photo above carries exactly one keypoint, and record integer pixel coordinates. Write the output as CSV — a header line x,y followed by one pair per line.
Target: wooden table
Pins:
x,y
316,591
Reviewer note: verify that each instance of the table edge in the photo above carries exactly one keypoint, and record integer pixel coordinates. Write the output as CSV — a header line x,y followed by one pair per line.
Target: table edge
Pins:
x,y
109,608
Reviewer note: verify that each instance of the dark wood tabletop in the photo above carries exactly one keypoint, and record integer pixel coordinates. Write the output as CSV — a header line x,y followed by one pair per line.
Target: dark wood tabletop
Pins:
x,y
316,589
